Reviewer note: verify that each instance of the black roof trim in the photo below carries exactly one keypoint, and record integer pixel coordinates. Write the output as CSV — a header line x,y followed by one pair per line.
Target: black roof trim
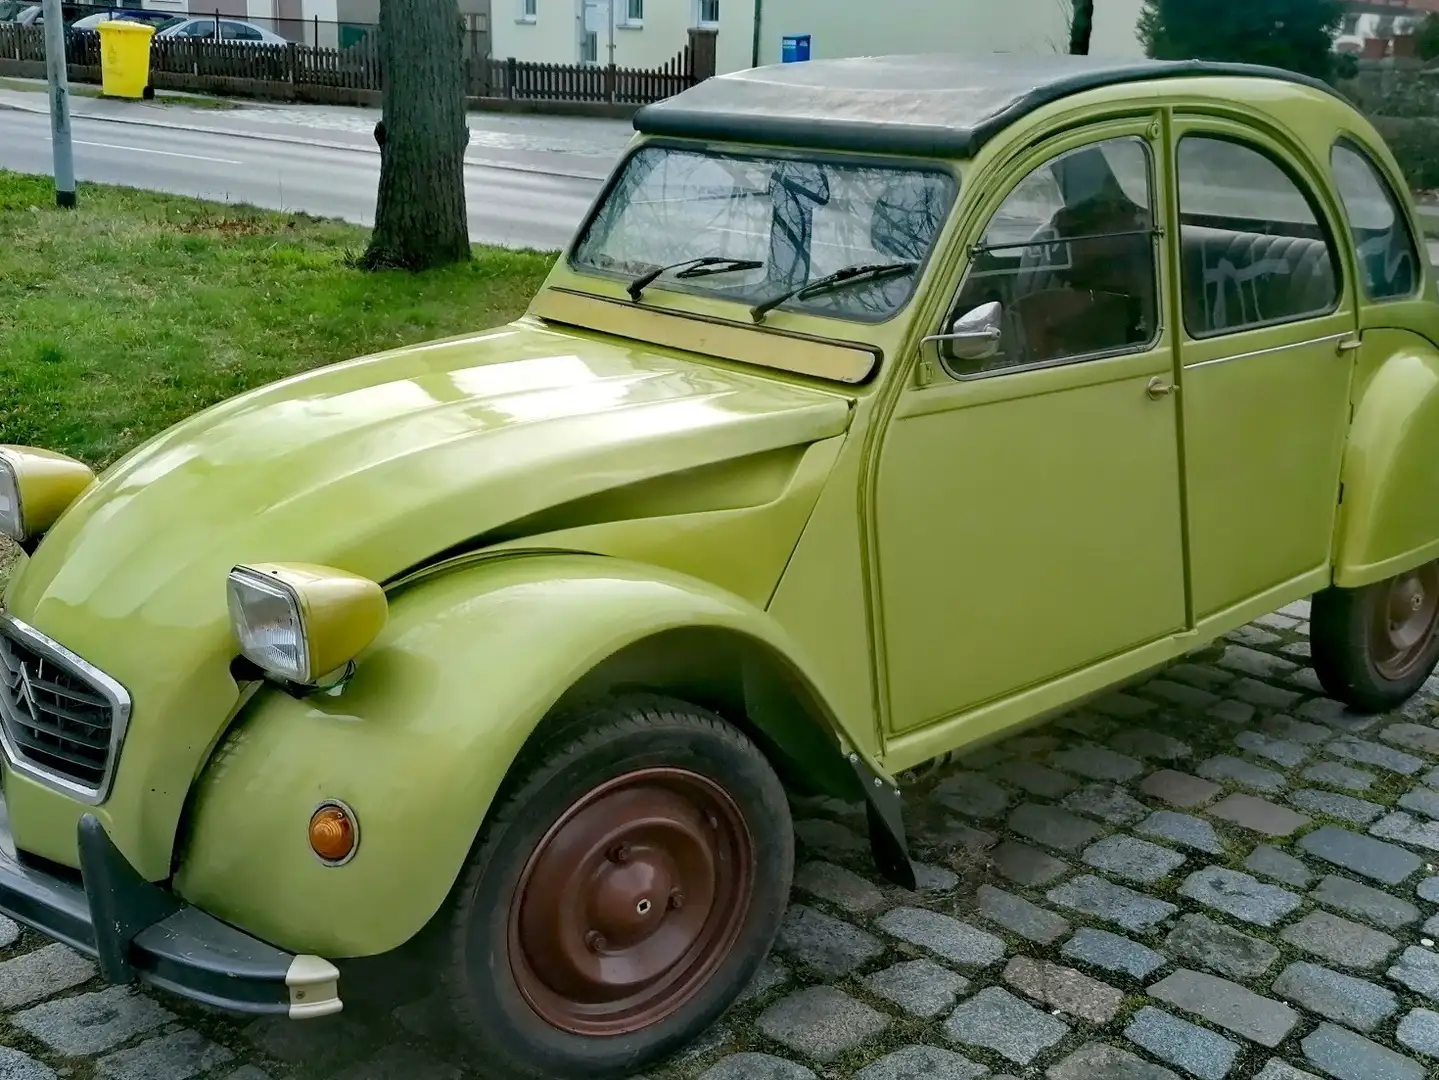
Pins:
x,y
952,106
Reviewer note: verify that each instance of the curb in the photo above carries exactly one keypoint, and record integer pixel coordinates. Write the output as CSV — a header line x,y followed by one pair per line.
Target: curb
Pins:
x,y
293,140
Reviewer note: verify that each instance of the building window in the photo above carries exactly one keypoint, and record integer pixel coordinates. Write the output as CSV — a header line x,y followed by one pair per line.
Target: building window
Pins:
x,y
634,12
709,12
529,11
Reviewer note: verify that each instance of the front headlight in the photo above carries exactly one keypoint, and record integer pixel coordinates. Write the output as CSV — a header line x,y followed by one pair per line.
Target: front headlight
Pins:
x,y
301,623
36,487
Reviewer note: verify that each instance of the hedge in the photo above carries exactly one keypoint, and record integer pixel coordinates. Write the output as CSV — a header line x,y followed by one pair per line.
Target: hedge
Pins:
x,y
1415,143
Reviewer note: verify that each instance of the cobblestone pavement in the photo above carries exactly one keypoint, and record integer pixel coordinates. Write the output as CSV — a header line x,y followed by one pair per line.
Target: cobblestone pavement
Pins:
x,y
1216,874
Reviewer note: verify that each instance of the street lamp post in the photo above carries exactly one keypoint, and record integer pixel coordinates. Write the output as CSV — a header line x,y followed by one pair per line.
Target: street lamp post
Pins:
x,y
59,81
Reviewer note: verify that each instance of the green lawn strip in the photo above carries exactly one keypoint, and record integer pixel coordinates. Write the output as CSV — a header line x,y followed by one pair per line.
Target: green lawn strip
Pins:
x,y
136,310
193,101
121,318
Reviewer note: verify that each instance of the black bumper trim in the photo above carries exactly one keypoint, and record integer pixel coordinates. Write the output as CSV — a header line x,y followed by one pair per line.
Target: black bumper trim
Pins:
x,y
137,930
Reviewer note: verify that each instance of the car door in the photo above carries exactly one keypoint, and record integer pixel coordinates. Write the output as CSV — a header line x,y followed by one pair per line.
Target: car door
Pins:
x,y
1028,505
1268,321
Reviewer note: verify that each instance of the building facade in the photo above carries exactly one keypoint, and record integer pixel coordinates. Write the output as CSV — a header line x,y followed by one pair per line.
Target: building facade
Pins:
x,y
1376,29
647,33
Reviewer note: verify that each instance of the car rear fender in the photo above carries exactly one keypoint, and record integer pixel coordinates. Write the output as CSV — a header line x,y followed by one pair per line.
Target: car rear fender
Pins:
x,y
1389,513
419,742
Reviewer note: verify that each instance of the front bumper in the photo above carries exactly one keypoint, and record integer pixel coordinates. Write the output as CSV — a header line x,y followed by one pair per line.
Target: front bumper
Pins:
x,y
136,930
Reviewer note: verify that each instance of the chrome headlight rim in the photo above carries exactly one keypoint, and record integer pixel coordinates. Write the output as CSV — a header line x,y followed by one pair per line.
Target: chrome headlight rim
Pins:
x,y
12,509
270,587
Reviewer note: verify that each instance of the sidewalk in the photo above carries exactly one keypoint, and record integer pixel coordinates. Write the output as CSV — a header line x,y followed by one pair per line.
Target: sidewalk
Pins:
x,y
581,147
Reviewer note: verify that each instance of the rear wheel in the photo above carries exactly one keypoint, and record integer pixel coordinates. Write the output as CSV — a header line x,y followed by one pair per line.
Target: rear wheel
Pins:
x,y
1373,647
622,895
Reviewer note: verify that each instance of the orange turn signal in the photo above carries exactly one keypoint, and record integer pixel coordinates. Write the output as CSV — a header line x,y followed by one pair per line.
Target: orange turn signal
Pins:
x,y
334,833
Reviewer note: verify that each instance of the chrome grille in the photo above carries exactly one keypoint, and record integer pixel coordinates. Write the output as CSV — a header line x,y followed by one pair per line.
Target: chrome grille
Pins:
x,y
60,718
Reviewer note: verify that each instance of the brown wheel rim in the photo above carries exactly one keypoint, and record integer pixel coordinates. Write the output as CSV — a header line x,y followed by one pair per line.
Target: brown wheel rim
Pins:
x,y
1404,622
630,901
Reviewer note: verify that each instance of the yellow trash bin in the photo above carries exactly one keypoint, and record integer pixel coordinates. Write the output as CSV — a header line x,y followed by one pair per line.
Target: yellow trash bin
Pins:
x,y
125,58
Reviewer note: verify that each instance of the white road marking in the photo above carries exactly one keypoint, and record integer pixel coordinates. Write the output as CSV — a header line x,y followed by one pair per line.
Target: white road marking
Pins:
x,y
166,153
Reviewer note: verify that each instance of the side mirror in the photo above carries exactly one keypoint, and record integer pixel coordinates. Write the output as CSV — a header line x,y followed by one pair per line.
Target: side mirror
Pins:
x,y
973,336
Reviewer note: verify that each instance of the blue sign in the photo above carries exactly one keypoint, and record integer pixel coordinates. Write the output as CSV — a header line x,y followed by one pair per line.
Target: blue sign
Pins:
x,y
795,48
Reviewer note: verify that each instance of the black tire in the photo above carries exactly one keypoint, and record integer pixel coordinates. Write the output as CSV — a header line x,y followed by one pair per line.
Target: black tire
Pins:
x,y
1374,647
503,962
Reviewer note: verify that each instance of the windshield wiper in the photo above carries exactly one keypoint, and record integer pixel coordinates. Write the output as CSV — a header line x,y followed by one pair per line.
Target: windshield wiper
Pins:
x,y
858,272
691,268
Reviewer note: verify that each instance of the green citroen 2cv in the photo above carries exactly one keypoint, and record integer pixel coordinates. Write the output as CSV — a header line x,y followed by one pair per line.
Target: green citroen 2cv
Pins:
x,y
881,406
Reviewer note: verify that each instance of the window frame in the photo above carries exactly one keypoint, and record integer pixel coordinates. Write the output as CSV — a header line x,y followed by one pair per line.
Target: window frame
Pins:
x,y
1401,215
634,14
1157,234
700,20
529,11
1307,191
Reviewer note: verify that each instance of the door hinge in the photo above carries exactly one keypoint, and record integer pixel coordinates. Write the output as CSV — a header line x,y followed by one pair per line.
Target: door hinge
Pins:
x,y
1341,494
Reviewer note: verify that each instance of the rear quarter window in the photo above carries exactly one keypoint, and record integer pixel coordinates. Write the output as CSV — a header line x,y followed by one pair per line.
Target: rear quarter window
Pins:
x,y
1385,248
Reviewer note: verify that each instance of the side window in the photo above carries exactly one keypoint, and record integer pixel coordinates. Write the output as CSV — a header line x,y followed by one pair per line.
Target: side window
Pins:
x,y
238,32
1070,258
1253,247
1387,255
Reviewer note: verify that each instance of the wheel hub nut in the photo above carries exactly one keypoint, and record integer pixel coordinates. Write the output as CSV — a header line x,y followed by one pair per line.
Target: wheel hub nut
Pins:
x,y
677,900
595,941
621,854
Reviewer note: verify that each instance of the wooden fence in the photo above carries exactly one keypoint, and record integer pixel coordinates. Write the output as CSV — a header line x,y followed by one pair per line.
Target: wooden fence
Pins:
x,y
567,82
293,71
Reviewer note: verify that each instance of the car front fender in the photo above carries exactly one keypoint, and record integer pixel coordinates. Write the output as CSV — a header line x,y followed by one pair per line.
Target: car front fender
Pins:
x,y
420,739
1389,519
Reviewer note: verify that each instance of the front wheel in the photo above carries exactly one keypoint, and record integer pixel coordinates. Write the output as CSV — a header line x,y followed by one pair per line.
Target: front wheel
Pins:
x,y
1373,647
622,896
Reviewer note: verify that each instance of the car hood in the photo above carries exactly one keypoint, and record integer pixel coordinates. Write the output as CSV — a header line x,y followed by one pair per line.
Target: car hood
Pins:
x,y
375,465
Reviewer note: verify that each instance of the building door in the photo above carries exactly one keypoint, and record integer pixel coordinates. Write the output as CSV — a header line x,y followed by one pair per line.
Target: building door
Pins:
x,y
595,32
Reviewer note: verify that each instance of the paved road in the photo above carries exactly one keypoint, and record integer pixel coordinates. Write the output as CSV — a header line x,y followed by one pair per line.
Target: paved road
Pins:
x,y
530,179
1217,874
507,206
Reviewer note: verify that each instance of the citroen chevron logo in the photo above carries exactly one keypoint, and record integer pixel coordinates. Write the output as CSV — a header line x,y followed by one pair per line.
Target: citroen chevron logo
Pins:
x,y
25,693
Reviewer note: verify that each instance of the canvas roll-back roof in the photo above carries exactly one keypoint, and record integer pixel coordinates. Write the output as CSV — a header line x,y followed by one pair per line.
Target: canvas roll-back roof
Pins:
x,y
935,106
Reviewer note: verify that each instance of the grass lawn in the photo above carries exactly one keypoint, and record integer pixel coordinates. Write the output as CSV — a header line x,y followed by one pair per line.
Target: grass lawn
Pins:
x,y
128,314
37,86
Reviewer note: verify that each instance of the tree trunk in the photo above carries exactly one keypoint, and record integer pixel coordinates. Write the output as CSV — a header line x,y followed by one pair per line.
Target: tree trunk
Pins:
x,y
1082,27
420,218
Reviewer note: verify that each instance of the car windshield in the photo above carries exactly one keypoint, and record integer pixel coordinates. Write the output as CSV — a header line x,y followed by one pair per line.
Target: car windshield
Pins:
x,y
798,220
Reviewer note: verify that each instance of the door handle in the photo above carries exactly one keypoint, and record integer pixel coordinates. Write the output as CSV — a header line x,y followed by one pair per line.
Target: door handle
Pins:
x,y
1349,345
1158,388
